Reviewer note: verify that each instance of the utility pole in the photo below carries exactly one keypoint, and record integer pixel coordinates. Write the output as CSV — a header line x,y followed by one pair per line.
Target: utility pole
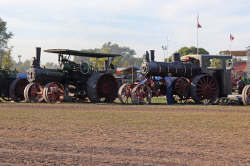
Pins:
x,y
165,48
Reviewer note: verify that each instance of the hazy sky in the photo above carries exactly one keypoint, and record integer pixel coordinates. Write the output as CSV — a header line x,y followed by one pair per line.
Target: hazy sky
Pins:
x,y
138,24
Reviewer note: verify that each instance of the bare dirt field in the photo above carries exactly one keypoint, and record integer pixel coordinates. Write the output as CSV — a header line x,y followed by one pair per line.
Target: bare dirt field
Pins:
x,y
113,134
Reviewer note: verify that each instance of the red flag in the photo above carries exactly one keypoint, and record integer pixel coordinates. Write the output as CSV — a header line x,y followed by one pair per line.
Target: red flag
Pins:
x,y
198,24
231,37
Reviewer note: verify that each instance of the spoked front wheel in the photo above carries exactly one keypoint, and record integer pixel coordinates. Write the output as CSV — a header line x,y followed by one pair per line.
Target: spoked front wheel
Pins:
x,y
33,92
141,94
53,92
246,95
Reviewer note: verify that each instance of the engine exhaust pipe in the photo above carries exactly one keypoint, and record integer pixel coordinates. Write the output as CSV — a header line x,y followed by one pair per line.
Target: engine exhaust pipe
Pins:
x,y
152,55
38,55
176,57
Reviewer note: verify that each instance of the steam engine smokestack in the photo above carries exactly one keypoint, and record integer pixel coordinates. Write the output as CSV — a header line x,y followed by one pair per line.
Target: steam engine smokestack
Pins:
x,y
38,55
146,57
176,57
152,55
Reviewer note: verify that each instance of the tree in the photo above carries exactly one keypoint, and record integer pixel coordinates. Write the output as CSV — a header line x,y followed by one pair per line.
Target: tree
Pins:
x,y
7,61
4,37
125,60
22,67
191,50
187,51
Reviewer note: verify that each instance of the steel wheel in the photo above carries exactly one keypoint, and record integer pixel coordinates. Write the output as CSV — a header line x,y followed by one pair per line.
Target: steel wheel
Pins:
x,y
246,95
124,93
17,87
107,88
53,92
204,89
181,88
33,92
141,94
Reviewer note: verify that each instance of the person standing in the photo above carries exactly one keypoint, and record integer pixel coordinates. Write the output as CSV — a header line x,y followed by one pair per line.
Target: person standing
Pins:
x,y
169,87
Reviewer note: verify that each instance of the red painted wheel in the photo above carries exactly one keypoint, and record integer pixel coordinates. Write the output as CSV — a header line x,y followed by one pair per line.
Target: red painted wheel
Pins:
x,y
204,89
246,95
125,92
141,94
33,92
181,88
53,92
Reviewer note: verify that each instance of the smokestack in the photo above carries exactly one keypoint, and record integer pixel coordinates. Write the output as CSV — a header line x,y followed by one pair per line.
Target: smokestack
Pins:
x,y
152,55
38,55
176,57
146,57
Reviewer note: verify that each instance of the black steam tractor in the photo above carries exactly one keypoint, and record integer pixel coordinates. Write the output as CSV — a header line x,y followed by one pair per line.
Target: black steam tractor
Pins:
x,y
72,82
194,78
11,86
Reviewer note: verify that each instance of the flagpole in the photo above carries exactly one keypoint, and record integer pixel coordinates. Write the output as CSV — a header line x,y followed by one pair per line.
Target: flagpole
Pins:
x,y
197,45
230,45
197,39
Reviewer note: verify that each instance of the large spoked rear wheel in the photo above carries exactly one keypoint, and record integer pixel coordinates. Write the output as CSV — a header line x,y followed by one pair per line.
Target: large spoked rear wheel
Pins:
x,y
124,93
246,95
205,89
141,94
181,89
33,92
53,92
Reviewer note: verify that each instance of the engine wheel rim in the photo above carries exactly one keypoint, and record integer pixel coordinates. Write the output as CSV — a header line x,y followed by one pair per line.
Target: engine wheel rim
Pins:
x,y
246,95
53,92
181,88
33,92
107,89
141,94
124,93
17,87
205,89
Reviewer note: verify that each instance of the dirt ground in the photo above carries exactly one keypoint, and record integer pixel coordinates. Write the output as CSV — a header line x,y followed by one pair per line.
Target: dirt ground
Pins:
x,y
113,134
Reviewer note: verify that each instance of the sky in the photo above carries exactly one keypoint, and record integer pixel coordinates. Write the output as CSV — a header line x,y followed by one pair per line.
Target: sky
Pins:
x,y
139,24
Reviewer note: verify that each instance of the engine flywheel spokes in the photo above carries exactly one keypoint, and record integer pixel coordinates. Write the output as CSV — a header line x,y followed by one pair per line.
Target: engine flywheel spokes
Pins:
x,y
125,92
33,92
181,88
53,92
205,89
141,94
246,95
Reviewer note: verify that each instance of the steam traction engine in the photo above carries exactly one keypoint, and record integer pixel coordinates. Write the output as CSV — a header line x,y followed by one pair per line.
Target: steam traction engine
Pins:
x,y
73,82
194,77
11,86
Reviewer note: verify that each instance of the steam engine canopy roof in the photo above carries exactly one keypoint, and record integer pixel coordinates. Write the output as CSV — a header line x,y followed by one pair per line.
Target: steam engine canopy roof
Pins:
x,y
80,53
